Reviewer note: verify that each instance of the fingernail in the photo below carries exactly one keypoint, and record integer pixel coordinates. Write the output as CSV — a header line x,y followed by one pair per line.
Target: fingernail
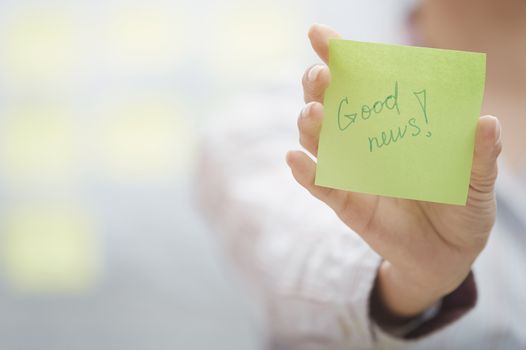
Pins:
x,y
314,72
288,157
497,130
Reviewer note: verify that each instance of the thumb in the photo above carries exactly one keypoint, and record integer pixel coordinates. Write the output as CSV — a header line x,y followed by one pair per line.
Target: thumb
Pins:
x,y
488,146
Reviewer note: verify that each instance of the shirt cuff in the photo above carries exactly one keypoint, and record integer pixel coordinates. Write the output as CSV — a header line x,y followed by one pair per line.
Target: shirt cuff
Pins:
x,y
452,307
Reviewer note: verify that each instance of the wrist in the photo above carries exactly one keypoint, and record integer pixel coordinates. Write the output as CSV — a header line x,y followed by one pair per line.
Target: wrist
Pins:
x,y
403,295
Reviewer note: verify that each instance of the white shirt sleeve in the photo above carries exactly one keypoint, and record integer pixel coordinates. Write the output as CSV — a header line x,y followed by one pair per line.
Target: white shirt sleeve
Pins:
x,y
314,274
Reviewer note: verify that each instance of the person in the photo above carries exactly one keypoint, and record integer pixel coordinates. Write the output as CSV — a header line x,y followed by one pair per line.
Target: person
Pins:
x,y
386,272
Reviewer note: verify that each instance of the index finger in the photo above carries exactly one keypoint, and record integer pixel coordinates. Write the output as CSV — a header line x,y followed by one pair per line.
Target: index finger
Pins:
x,y
319,36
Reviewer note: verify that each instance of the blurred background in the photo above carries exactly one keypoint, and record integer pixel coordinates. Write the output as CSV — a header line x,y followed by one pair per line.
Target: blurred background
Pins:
x,y
103,106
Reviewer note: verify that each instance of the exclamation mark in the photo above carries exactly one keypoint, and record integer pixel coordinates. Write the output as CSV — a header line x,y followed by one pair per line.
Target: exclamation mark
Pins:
x,y
421,97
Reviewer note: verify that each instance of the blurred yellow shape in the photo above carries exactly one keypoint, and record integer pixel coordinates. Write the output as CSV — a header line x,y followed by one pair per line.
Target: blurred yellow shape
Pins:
x,y
144,141
144,37
49,249
38,44
37,145
252,39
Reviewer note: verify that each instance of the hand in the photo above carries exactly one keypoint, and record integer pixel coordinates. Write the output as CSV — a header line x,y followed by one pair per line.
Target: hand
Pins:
x,y
428,247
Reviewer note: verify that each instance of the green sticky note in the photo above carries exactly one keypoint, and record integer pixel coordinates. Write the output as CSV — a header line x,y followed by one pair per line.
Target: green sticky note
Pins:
x,y
400,121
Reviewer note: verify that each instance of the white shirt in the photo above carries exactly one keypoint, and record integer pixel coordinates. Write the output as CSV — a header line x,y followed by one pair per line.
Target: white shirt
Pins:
x,y
313,274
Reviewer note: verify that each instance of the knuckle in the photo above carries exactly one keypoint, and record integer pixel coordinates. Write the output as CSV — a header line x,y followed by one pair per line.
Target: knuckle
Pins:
x,y
309,93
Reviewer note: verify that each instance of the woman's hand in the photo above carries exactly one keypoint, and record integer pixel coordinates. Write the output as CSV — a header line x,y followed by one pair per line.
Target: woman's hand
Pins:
x,y
428,247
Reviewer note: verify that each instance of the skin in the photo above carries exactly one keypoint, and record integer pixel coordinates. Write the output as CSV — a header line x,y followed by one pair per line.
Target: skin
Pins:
x,y
428,248
497,27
